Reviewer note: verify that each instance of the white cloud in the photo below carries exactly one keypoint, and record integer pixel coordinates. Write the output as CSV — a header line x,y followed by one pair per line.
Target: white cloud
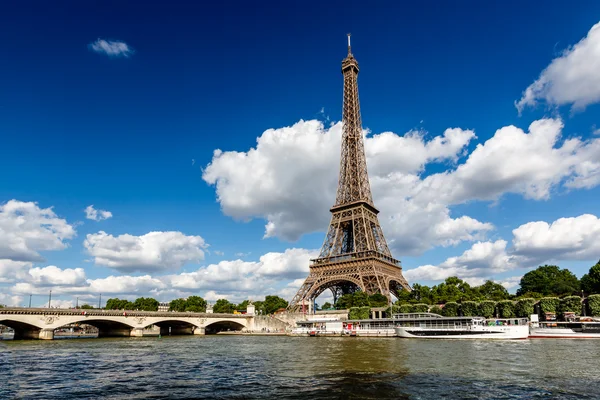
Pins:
x,y
513,161
572,78
10,300
482,260
140,285
96,215
112,48
11,271
219,253
154,251
26,229
575,238
54,276
249,277
290,180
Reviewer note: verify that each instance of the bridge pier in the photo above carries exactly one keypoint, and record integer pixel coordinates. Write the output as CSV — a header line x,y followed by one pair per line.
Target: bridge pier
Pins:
x,y
46,334
199,331
137,332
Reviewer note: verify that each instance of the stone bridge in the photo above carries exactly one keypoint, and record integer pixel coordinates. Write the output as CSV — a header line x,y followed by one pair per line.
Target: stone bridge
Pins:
x,y
40,323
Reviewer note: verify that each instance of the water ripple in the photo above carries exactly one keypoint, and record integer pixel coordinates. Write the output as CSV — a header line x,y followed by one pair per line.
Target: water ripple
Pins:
x,y
231,367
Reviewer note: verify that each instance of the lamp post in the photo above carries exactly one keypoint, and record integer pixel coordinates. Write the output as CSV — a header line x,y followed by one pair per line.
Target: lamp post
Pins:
x,y
100,301
29,301
49,298
77,302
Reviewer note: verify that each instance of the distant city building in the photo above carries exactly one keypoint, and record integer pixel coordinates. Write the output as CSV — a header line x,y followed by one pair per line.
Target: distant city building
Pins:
x,y
164,306
209,308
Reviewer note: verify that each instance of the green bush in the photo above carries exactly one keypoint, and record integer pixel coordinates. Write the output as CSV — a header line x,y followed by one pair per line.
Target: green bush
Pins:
x,y
436,310
524,307
406,308
450,309
487,308
593,305
420,308
469,309
359,313
506,309
571,304
549,304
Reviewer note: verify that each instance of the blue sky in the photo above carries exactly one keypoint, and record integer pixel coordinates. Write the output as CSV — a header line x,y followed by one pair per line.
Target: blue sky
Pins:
x,y
122,106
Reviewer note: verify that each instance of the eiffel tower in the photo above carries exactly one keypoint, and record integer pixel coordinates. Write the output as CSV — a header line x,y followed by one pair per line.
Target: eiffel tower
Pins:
x,y
355,255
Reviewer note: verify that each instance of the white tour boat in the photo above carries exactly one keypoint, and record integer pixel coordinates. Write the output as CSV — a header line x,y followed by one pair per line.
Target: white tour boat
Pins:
x,y
584,328
434,326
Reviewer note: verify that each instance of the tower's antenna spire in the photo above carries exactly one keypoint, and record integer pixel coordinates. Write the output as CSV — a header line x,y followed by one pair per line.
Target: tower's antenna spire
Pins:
x,y
349,52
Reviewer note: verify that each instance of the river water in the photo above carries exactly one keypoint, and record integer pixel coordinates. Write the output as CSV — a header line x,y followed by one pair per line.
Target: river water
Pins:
x,y
280,367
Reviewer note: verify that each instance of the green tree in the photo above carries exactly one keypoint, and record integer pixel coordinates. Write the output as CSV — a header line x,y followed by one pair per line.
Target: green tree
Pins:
x,y
593,305
344,302
549,304
223,306
487,308
524,307
420,294
145,304
118,304
469,308
506,309
420,308
86,307
195,304
590,282
405,308
436,310
450,309
453,289
378,300
570,304
327,306
360,299
273,303
549,280
492,291
177,305
243,305
359,313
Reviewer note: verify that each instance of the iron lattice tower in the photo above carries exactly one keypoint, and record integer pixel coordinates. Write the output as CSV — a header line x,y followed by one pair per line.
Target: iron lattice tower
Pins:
x,y
355,254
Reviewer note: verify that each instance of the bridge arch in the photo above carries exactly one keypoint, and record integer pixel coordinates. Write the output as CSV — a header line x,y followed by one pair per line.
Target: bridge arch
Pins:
x,y
222,326
22,330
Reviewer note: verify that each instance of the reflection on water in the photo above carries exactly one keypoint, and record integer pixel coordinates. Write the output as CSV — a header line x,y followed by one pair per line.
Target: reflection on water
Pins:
x,y
294,367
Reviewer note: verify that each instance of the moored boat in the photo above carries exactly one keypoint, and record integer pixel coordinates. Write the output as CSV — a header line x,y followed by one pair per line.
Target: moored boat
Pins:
x,y
437,327
583,328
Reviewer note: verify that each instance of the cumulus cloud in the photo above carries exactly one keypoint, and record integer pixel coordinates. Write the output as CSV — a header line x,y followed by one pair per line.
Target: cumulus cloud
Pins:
x,y
154,251
26,229
96,215
111,48
290,179
11,271
575,238
572,78
247,277
512,161
482,260
52,275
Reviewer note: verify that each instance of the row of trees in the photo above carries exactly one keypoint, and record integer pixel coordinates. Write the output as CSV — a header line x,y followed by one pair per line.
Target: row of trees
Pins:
x,y
140,304
198,304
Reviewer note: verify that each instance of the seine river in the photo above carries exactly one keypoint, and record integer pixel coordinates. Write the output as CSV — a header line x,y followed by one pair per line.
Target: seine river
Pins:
x,y
280,367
